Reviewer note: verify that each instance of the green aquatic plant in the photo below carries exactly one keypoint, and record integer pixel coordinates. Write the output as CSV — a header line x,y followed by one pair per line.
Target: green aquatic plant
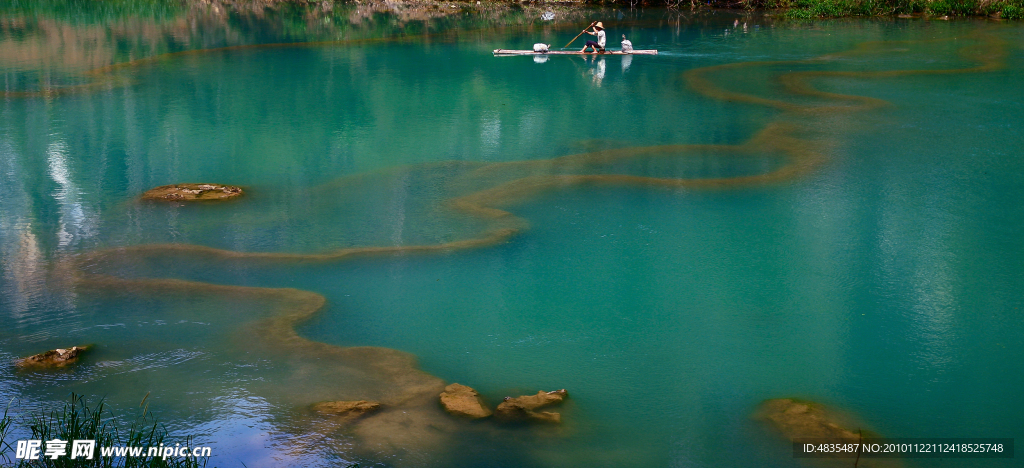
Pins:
x,y
78,420
5,429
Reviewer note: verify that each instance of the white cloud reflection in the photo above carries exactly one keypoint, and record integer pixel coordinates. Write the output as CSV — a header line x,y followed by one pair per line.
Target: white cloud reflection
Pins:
x,y
76,221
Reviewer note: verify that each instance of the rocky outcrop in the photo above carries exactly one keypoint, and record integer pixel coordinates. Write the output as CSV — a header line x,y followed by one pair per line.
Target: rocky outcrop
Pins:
x,y
193,192
347,409
463,401
524,408
56,358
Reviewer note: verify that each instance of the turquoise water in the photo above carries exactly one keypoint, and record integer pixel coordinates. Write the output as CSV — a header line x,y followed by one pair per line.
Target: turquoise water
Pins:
x,y
882,277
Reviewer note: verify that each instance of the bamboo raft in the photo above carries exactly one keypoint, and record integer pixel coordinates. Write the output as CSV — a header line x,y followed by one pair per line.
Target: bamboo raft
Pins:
x,y
509,52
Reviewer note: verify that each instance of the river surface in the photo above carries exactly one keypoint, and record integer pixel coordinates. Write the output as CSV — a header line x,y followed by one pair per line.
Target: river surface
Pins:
x,y
825,210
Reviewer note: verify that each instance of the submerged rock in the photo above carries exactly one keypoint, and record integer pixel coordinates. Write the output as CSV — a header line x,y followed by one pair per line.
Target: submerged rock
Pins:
x,y
59,357
347,409
463,401
799,419
523,408
192,192
803,419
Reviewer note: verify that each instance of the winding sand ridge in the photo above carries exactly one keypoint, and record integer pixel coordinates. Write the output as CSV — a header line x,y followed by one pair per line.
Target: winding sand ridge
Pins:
x,y
989,52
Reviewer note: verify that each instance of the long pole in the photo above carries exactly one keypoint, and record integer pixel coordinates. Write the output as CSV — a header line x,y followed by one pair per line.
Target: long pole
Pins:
x,y
580,34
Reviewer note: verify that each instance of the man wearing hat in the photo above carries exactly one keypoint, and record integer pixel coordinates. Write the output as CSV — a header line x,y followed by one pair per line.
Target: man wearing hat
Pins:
x,y
601,39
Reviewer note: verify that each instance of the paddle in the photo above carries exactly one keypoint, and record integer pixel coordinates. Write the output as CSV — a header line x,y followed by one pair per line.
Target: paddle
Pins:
x,y
580,34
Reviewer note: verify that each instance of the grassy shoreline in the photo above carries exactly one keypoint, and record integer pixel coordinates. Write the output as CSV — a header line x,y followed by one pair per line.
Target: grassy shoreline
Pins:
x,y
799,9
941,9
794,9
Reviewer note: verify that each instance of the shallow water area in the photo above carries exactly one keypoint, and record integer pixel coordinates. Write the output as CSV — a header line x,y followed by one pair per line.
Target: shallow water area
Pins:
x,y
824,210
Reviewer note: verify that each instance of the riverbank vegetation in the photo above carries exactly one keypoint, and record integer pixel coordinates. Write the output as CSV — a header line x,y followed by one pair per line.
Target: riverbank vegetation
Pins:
x,y
942,9
92,11
1000,9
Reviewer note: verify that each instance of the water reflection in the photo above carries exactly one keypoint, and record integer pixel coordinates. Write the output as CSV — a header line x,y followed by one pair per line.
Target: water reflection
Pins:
x,y
76,221
25,279
384,152
44,46
24,270
598,70
920,269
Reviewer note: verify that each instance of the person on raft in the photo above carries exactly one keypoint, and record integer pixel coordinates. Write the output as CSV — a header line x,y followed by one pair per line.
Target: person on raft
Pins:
x,y
601,38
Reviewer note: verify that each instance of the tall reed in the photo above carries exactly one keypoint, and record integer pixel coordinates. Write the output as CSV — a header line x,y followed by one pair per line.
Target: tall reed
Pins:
x,y
77,420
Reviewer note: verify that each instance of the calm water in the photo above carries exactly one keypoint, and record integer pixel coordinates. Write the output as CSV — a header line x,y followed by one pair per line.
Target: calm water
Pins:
x,y
866,256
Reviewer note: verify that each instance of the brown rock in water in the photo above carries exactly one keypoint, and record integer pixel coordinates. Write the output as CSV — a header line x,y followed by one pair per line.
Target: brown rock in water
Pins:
x,y
347,409
193,192
803,419
523,408
56,358
797,419
461,400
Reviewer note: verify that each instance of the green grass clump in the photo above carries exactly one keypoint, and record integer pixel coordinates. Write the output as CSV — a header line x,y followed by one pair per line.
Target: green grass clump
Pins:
x,y
952,7
1008,9
76,420
906,7
813,9
5,431
808,9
